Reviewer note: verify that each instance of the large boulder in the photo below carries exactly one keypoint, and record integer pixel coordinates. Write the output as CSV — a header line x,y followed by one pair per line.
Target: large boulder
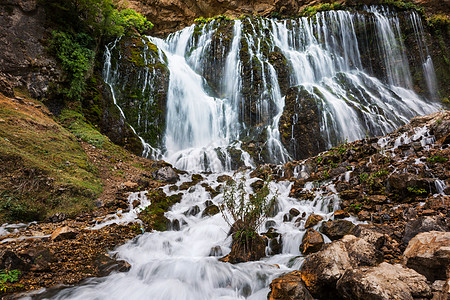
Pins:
x,y
288,287
313,220
63,233
424,224
337,229
385,281
312,242
323,269
370,234
166,174
429,254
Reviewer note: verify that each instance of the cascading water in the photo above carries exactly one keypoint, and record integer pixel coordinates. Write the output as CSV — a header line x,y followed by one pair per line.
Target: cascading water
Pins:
x,y
226,84
208,117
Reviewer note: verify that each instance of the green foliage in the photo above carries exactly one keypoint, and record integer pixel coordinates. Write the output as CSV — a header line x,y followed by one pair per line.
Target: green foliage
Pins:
x,y
416,190
310,11
404,5
356,207
439,22
248,211
76,56
203,21
16,209
437,159
363,176
8,275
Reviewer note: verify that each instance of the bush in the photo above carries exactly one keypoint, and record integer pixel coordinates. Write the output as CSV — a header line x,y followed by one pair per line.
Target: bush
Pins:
x,y
245,212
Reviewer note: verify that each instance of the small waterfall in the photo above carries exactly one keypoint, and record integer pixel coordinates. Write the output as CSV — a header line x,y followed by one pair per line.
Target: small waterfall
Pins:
x,y
231,81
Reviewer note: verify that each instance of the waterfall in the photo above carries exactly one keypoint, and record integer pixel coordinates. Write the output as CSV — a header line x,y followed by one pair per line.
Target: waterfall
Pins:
x,y
230,82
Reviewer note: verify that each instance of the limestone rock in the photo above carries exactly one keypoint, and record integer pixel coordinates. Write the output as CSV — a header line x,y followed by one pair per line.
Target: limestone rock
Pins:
x,y
424,224
312,242
63,233
336,229
340,214
166,174
429,254
385,281
288,287
323,269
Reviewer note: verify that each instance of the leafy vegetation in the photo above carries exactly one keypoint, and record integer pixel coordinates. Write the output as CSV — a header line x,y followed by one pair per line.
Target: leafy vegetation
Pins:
x,y
310,11
437,159
416,190
8,275
245,212
404,5
203,21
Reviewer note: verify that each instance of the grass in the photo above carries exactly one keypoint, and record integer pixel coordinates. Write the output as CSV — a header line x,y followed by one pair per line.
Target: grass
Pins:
x,y
43,166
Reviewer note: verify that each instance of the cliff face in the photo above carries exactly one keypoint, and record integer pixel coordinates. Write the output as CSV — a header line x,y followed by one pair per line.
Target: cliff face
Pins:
x,y
172,15
24,60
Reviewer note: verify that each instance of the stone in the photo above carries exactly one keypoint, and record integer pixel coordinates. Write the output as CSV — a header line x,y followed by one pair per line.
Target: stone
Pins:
x,y
216,251
340,214
106,265
424,224
166,174
63,233
313,220
321,270
240,253
210,211
224,178
383,282
288,287
294,212
336,229
349,194
11,261
369,234
6,88
312,242
429,254
193,211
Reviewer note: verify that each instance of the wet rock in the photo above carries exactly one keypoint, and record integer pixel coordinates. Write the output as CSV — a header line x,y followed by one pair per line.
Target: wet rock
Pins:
x,y
106,265
63,233
337,229
166,174
6,88
254,250
193,211
321,270
312,242
224,178
275,246
385,281
210,211
313,220
424,224
270,224
288,287
294,212
216,251
257,185
340,214
176,225
56,218
429,254
40,257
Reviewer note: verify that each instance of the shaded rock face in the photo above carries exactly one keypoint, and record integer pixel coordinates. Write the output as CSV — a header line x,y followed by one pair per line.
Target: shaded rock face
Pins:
x,y
312,242
337,229
300,124
429,254
289,287
23,53
323,269
385,281
140,81
424,224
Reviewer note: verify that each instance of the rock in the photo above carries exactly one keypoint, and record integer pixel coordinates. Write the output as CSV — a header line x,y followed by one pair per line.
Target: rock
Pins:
x,y
63,233
429,254
129,186
56,218
369,234
257,185
340,214
216,251
321,270
294,212
106,265
210,211
270,224
6,88
275,246
193,211
312,242
11,261
224,178
166,174
336,229
385,281
424,224
41,258
313,220
288,287
240,253
349,194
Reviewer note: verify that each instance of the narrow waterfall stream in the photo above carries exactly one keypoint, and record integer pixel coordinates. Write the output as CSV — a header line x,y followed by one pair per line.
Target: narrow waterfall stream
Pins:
x,y
209,118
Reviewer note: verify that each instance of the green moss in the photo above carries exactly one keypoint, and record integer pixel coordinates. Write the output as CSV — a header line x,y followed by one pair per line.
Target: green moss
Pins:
x,y
402,5
310,11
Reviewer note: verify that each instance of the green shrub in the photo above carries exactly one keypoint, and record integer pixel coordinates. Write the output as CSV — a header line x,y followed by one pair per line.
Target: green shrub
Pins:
x,y
5,276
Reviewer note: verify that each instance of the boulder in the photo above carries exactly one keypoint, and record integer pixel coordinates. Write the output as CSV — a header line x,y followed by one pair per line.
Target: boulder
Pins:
x,y
323,269
255,250
369,234
288,287
166,174
340,214
336,229
6,88
63,233
312,242
424,224
429,254
313,220
385,281
11,261
210,211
